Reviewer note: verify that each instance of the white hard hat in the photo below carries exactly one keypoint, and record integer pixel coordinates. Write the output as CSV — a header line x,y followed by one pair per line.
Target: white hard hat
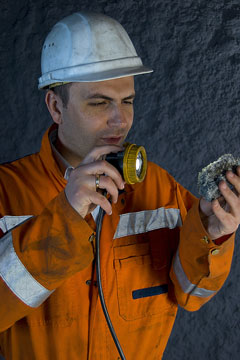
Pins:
x,y
86,47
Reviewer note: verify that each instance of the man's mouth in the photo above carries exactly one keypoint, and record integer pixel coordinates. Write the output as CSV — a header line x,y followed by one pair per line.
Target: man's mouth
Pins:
x,y
115,140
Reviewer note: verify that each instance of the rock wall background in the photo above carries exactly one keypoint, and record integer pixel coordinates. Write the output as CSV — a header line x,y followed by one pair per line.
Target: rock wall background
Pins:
x,y
186,113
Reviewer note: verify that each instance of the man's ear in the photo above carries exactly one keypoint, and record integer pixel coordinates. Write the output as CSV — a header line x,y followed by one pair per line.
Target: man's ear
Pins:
x,y
55,106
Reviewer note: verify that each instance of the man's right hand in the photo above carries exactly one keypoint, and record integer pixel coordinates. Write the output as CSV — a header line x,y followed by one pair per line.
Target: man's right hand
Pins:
x,y
81,189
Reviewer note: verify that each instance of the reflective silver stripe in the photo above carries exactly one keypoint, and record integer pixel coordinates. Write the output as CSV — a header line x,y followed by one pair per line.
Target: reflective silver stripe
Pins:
x,y
16,276
147,220
186,285
9,222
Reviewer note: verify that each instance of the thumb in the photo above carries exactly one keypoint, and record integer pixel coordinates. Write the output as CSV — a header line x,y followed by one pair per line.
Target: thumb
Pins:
x,y
205,207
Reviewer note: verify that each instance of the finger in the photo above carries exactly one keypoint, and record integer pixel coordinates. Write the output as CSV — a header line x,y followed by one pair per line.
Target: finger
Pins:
x,y
103,167
238,170
234,179
222,202
205,207
231,198
99,199
99,151
228,221
219,211
105,182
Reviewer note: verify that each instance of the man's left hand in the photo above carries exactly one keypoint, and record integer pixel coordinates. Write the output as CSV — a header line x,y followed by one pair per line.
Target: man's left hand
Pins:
x,y
221,217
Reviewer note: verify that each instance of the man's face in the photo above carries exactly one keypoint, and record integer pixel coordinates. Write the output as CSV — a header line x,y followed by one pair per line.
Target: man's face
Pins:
x,y
97,113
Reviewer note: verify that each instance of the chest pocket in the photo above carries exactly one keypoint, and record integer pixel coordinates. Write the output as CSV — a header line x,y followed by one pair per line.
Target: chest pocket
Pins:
x,y
144,244
142,288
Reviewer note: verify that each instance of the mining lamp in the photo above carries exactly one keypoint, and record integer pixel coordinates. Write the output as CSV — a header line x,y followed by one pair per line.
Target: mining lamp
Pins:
x,y
131,162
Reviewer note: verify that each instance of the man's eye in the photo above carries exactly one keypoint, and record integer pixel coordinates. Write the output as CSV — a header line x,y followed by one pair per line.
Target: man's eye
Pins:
x,y
129,102
97,103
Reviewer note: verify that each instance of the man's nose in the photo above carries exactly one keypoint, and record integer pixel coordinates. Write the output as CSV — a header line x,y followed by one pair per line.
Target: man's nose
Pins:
x,y
117,118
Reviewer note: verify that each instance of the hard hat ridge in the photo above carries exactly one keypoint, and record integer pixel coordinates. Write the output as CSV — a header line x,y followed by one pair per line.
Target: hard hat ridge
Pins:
x,y
86,47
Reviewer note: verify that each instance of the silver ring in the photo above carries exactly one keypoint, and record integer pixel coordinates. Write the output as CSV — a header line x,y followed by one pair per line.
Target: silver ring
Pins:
x,y
97,181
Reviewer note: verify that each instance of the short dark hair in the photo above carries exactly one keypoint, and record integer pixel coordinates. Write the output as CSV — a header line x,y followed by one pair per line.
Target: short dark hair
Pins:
x,y
63,92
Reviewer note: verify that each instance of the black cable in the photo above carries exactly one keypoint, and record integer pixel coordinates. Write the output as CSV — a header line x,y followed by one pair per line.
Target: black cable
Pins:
x,y
99,282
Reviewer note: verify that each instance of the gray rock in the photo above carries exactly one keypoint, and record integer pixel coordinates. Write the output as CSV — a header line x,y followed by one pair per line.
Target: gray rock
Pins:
x,y
211,175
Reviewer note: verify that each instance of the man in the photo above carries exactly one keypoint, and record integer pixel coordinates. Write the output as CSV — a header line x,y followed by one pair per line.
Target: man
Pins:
x,y
151,261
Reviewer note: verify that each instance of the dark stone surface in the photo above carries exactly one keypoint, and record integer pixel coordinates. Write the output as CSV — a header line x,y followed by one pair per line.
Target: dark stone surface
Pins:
x,y
186,113
211,176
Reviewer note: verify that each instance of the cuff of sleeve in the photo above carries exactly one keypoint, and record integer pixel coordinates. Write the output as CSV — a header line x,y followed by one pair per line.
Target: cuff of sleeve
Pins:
x,y
193,223
197,250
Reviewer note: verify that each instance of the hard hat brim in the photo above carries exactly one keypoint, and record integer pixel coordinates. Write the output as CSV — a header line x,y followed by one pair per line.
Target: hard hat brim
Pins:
x,y
57,76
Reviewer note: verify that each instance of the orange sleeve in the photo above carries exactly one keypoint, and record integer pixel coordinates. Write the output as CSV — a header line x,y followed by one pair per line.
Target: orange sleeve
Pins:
x,y
200,266
38,255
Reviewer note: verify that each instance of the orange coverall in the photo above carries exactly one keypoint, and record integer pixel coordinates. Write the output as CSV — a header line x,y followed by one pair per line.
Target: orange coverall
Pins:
x,y
150,263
